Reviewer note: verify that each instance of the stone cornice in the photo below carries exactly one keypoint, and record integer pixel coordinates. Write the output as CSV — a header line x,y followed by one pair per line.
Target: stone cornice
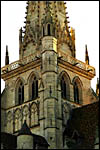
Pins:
x,y
75,69
21,69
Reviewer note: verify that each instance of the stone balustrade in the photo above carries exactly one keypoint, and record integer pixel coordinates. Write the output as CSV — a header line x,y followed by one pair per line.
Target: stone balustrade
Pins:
x,y
76,62
19,63
33,57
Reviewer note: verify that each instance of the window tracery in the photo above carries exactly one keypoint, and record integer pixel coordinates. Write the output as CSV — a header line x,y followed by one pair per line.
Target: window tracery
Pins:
x,y
9,121
17,120
26,115
34,114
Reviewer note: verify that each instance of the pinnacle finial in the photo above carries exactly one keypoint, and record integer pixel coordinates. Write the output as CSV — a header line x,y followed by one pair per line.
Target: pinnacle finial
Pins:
x,y
7,56
20,35
86,55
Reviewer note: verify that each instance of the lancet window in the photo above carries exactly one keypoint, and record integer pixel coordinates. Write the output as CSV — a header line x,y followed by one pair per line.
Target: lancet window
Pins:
x,y
21,93
76,93
33,88
77,87
65,89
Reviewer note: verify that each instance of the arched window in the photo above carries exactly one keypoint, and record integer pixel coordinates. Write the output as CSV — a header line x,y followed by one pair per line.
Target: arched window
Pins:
x,y
76,93
77,87
65,90
21,93
34,88
49,29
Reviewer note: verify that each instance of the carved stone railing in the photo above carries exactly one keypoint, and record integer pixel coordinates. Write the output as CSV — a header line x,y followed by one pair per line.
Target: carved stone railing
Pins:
x,y
20,63
76,62
33,57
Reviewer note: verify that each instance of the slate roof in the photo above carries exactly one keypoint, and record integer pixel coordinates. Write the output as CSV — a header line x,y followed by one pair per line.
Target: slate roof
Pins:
x,y
25,130
84,120
9,141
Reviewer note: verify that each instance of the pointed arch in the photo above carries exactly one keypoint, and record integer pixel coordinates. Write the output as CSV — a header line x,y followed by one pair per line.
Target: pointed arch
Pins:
x,y
26,114
77,88
66,74
65,85
19,91
19,79
34,114
9,122
33,85
31,75
17,120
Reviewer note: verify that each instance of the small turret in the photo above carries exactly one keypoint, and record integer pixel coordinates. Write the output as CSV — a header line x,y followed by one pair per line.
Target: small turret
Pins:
x,y
25,138
7,56
97,87
86,55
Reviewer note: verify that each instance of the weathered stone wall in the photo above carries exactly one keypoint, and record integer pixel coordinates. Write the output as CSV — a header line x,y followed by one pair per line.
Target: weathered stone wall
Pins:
x,y
25,142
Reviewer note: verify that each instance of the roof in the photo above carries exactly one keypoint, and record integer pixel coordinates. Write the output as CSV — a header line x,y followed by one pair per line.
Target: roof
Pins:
x,y
9,141
40,140
25,130
84,120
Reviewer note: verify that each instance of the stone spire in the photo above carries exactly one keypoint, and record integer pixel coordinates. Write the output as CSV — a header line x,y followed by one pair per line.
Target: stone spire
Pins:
x,y
86,55
20,40
7,56
39,13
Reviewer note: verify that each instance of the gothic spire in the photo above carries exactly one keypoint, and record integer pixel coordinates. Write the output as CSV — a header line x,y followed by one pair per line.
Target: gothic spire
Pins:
x,y
43,17
7,56
86,55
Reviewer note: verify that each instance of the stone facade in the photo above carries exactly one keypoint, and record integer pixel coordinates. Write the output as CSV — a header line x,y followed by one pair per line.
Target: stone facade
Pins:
x,y
48,57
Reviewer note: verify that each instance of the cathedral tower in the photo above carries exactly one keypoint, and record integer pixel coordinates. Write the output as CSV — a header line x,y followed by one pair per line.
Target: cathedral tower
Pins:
x,y
47,81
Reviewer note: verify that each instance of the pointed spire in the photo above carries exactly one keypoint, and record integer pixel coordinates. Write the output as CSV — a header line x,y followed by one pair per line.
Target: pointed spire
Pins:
x,y
73,41
7,56
97,87
48,9
86,55
20,35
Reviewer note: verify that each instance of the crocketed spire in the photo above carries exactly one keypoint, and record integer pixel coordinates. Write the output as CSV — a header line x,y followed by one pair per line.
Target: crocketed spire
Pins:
x,y
46,18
